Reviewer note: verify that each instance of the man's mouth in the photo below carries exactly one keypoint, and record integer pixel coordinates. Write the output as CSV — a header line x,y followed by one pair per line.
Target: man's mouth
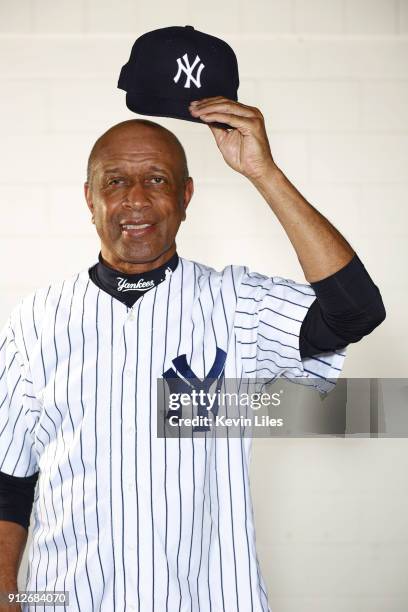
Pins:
x,y
137,229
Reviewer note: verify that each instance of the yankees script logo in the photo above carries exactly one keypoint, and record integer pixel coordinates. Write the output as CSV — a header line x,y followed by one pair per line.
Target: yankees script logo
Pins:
x,y
141,285
188,70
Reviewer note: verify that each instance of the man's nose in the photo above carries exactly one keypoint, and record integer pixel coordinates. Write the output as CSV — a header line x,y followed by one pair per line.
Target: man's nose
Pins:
x,y
136,196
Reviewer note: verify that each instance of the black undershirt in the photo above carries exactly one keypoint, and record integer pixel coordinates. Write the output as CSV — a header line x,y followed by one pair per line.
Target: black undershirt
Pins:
x,y
16,498
348,306
128,288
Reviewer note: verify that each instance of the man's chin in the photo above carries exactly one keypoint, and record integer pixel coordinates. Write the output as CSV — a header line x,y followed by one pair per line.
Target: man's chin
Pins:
x,y
143,255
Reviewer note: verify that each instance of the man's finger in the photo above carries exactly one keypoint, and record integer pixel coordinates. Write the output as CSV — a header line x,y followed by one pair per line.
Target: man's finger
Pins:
x,y
209,99
221,107
217,99
236,121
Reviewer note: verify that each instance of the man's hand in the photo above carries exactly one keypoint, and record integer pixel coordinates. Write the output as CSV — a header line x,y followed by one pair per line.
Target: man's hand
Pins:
x,y
246,148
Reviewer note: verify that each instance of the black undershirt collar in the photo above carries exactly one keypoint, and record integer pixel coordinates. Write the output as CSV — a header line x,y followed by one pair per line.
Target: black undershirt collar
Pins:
x,y
128,288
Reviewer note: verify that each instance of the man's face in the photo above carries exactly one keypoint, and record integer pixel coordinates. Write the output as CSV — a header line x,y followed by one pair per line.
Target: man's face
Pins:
x,y
138,196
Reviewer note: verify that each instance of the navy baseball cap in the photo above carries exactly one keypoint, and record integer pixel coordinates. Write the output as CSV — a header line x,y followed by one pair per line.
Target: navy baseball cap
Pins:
x,y
170,67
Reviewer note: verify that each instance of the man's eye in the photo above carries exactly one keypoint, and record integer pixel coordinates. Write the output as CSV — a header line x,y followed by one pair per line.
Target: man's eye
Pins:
x,y
157,180
116,181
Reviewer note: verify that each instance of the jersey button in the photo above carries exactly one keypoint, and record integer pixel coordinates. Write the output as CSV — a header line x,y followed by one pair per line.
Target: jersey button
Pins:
x,y
131,316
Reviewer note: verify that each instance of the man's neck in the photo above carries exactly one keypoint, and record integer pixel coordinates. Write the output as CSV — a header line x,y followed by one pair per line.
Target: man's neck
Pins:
x,y
127,267
127,288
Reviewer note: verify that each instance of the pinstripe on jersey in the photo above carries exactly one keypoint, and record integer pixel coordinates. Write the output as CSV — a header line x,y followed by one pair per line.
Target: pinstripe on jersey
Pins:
x,y
124,520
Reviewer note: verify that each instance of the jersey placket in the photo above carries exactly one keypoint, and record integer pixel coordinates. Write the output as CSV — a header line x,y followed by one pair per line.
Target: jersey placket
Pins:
x,y
133,504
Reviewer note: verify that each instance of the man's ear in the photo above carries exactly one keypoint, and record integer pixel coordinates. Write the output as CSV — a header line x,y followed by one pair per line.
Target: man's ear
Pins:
x,y
88,198
188,194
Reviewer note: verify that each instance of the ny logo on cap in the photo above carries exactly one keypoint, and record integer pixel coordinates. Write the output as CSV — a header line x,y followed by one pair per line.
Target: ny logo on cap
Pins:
x,y
189,71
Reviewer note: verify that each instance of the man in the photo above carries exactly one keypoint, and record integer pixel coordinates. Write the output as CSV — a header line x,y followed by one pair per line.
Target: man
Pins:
x,y
123,519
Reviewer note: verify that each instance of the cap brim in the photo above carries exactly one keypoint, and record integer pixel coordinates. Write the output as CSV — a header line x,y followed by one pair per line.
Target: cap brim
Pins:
x,y
155,106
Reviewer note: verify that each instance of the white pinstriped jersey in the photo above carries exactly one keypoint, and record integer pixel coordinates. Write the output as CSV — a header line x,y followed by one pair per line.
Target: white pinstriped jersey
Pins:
x,y
122,519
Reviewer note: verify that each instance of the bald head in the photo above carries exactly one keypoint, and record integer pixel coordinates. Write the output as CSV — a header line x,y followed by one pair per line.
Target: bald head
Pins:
x,y
139,130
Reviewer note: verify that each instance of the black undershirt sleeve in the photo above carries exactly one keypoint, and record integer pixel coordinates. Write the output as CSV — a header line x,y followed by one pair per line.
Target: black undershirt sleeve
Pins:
x,y
348,306
16,498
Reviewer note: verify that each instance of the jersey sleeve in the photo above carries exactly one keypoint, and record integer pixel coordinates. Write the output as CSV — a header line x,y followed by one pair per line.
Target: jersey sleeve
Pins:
x,y
18,455
270,312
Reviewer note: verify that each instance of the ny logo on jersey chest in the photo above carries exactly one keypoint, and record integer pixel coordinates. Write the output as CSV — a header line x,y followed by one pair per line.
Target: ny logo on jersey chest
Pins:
x,y
182,379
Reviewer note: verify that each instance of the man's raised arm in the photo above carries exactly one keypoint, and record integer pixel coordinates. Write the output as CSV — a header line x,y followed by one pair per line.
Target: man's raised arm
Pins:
x,y
348,304
320,247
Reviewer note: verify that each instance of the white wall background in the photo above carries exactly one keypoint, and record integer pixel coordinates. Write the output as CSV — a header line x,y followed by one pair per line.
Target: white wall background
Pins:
x,y
331,77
